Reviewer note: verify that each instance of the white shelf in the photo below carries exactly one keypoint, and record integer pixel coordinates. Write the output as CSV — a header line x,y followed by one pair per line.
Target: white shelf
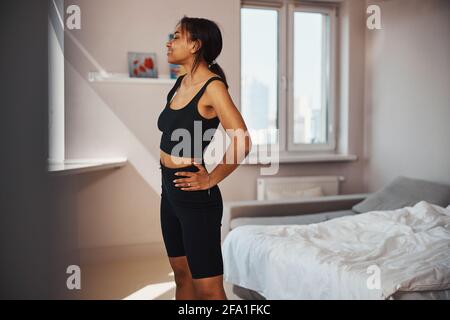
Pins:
x,y
125,78
75,166
253,159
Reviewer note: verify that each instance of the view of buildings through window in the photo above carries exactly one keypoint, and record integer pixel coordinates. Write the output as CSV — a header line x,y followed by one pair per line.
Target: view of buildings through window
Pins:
x,y
260,89
310,116
259,73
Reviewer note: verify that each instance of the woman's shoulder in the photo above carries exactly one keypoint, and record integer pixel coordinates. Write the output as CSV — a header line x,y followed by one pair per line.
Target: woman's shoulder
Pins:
x,y
215,77
216,86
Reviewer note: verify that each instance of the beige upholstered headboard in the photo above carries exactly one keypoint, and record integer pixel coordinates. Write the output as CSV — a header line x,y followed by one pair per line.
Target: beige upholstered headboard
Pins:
x,y
271,208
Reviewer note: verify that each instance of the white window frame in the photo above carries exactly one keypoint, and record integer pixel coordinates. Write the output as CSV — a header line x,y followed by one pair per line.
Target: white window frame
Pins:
x,y
330,80
286,11
281,65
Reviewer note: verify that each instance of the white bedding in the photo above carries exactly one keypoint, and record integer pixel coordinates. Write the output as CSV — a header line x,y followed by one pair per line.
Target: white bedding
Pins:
x,y
408,248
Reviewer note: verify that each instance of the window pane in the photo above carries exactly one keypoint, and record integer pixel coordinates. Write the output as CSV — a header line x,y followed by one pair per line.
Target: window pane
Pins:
x,y
259,69
310,96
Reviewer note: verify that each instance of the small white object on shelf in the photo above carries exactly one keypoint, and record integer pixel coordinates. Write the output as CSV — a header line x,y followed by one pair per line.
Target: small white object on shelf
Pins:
x,y
125,78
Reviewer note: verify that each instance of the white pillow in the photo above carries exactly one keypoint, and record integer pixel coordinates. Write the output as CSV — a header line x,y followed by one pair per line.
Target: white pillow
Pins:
x,y
293,194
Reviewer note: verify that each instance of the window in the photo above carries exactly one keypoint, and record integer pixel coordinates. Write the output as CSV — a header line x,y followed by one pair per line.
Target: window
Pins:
x,y
259,73
287,75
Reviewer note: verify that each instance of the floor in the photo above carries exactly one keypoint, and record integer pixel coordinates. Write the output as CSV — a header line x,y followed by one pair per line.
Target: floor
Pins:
x,y
139,279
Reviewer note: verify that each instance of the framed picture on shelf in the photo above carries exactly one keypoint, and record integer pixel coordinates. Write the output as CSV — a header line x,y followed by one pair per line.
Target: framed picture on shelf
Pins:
x,y
142,65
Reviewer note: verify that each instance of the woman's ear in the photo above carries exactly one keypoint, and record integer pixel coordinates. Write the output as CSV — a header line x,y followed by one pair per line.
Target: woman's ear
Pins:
x,y
196,45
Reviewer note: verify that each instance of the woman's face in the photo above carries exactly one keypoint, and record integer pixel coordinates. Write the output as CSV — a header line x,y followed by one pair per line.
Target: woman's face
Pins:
x,y
179,49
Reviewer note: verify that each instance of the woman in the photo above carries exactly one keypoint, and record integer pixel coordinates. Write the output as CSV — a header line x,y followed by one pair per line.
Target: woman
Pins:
x,y
191,201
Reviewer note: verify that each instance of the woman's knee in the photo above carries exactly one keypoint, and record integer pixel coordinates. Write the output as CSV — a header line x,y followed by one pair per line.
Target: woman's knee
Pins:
x,y
181,271
209,288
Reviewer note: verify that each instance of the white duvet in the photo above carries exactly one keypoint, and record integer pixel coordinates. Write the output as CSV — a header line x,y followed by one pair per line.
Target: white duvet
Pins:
x,y
364,256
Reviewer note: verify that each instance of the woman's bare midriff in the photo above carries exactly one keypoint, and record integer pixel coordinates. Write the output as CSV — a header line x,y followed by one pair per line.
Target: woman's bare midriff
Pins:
x,y
170,161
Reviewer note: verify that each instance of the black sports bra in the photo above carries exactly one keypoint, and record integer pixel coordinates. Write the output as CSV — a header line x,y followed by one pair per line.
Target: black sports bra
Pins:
x,y
185,132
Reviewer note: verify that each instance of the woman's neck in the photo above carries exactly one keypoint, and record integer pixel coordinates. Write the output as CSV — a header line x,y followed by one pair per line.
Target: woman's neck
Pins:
x,y
200,75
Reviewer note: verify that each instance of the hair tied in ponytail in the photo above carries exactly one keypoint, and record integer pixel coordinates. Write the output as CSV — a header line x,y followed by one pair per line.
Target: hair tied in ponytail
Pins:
x,y
213,62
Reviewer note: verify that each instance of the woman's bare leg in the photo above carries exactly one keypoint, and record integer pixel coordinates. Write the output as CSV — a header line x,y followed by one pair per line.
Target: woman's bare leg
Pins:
x,y
183,278
210,288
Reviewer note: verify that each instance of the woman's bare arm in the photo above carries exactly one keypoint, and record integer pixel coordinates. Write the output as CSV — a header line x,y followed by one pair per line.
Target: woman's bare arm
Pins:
x,y
234,126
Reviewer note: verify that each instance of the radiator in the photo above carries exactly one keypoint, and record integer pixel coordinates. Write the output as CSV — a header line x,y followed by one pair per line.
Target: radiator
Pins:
x,y
297,187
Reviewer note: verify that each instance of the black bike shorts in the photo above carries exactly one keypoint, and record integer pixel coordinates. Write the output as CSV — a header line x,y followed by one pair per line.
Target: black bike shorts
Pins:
x,y
191,224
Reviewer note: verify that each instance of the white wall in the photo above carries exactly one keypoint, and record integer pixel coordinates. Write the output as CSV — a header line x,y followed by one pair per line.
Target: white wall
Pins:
x,y
408,92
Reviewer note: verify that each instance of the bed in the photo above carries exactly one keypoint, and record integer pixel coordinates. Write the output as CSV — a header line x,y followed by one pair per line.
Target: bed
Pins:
x,y
396,253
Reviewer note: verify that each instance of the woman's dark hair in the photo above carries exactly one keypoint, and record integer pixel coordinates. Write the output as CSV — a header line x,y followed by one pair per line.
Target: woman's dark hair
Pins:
x,y
210,37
